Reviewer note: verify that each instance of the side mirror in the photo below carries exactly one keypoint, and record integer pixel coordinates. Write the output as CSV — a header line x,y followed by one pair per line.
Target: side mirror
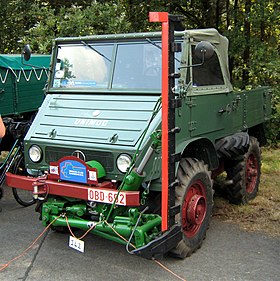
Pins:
x,y
26,52
204,50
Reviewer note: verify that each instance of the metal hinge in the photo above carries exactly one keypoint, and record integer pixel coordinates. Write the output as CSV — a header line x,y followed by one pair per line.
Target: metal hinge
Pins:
x,y
176,47
176,157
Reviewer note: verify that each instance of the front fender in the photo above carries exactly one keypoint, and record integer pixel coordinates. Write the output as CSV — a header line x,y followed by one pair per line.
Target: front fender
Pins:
x,y
201,149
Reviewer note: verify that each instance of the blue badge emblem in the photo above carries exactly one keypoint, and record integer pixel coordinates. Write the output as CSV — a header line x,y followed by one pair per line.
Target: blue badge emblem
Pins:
x,y
72,170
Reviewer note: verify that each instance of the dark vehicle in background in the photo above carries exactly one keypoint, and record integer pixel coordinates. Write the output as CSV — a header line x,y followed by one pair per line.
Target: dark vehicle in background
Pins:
x,y
21,94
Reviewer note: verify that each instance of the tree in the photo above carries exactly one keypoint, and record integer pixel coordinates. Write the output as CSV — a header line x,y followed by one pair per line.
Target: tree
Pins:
x,y
52,22
252,27
15,18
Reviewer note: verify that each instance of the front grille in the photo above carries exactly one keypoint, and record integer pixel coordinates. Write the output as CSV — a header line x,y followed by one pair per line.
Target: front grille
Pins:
x,y
106,159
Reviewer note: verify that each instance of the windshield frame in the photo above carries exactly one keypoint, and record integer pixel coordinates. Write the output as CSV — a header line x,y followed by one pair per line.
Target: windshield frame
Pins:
x,y
103,40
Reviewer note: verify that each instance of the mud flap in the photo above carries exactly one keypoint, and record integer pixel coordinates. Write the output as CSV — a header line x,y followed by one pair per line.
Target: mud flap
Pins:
x,y
162,245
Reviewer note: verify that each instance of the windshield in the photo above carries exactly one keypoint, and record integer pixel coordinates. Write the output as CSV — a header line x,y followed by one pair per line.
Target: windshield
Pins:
x,y
82,66
119,66
138,66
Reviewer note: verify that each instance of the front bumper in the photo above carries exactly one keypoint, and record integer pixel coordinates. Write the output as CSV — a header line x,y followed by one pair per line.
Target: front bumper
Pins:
x,y
42,186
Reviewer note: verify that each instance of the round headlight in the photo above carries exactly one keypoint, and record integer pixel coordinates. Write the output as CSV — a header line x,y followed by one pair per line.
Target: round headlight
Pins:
x,y
123,162
35,153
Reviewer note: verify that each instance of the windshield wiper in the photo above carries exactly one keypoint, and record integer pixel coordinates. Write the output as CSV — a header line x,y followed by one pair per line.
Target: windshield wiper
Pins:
x,y
92,48
159,47
153,43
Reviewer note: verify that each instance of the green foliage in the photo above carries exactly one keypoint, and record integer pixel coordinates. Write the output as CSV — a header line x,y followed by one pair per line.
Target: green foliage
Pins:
x,y
272,128
252,27
73,21
14,23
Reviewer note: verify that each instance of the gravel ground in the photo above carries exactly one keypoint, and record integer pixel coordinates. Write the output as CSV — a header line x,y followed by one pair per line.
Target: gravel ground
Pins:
x,y
227,254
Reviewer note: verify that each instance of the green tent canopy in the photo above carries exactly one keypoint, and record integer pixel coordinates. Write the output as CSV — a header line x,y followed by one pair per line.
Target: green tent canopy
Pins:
x,y
22,84
15,62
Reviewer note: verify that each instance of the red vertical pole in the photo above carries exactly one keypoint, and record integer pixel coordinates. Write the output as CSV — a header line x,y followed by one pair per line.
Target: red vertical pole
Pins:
x,y
163,18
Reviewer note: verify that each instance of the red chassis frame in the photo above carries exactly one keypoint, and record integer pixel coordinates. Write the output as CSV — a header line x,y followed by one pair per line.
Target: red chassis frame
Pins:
x,y
45,186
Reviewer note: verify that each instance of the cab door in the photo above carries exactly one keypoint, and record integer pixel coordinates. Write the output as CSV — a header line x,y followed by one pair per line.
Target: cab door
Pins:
x,y
209,115
209,99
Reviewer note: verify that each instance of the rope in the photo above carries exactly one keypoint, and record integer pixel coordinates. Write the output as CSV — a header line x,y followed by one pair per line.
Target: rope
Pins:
x,y
23,72
3,80
28,248
85,234
123,238
156,261
119,235
92,227
169,270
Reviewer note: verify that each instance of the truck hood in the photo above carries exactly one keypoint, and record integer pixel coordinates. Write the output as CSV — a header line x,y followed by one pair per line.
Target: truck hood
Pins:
x,y
86,119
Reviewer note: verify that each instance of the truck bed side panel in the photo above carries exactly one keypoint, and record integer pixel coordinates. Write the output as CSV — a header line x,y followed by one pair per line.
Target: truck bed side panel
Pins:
x,y
7,93
30,94
256,107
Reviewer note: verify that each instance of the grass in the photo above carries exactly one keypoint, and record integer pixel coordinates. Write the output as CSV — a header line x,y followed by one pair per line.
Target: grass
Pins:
x,y
262,213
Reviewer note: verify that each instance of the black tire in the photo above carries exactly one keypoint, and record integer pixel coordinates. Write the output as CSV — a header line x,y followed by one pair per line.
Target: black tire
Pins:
x,y
232,146
195,196
245,175
23,197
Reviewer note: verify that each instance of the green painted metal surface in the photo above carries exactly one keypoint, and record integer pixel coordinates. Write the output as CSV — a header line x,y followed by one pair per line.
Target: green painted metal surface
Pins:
x,y
143,231
112,124
100,169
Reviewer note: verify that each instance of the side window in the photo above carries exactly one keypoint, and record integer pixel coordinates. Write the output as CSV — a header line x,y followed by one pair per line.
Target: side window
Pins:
x,y
209,73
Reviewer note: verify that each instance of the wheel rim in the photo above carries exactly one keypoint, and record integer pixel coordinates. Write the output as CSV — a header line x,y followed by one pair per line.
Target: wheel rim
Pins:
x,y
194,209
252,172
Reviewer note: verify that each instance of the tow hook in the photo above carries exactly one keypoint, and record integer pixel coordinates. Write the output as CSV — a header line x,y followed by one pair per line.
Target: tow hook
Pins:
x,y
40,190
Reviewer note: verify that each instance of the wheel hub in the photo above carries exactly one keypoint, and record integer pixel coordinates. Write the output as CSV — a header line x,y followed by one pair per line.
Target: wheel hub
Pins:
x,y
194,209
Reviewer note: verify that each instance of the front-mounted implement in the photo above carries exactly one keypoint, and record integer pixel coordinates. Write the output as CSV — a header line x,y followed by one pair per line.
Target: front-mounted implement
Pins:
x,y
73,195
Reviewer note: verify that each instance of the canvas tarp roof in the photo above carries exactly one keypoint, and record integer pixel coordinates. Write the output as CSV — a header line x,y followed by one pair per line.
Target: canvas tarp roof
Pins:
x,y
36,66
15,62
219,41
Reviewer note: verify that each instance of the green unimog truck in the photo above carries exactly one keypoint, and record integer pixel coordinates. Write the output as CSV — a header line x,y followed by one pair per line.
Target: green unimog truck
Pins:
x,y
111,152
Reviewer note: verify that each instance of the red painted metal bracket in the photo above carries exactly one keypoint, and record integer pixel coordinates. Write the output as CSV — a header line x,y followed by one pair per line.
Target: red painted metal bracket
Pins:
x,y
61,188
163,18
